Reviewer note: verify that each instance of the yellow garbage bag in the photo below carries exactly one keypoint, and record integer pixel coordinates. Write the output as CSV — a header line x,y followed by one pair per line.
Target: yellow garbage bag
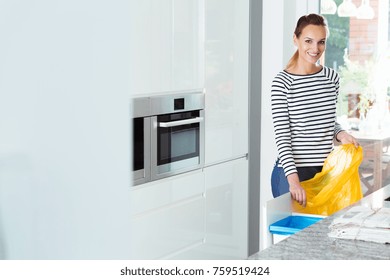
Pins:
x,y
337,185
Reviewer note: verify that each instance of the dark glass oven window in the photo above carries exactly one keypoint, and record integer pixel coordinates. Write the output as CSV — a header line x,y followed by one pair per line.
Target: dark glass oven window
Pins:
x,y
178,142
138,144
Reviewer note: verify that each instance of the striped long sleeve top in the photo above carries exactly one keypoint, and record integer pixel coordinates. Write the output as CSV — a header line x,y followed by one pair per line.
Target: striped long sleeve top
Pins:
x,y
304,117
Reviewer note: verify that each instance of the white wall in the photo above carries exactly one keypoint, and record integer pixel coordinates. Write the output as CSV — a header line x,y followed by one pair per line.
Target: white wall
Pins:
x,y
64,148
279,20
273,41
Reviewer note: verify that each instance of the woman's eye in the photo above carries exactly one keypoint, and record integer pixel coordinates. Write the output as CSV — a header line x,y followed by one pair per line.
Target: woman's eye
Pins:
x,y
308,41
322,42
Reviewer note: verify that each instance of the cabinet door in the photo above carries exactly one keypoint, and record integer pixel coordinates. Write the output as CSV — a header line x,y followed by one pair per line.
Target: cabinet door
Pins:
x,y
167,216
188,44
227,210
167,46
226,79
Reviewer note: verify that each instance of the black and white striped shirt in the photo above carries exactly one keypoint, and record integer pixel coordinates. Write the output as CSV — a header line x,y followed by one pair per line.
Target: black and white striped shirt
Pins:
x,y
304,117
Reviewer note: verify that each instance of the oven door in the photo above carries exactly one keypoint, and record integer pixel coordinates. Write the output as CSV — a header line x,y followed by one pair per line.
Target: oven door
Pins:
x,y
141,150
177,143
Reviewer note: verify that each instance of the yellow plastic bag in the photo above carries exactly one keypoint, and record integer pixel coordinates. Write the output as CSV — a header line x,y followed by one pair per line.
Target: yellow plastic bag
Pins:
x,y
337,185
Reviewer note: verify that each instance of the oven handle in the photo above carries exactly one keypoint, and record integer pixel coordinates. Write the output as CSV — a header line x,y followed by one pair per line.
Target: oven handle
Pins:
x,y
182,122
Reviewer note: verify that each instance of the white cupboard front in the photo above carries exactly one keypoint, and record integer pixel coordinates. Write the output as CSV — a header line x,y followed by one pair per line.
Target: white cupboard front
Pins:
x,y
226,79
226,213
227,209
167,216
167,52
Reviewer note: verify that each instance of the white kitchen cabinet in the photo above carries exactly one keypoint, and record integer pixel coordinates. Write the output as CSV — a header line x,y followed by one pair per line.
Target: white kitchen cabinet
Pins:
x,y
198,215
227,209
226,216
167,52
226,79
201,214
168,216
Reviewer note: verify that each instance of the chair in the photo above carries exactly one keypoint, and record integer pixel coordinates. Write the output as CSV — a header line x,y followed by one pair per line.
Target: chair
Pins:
x,y
366,169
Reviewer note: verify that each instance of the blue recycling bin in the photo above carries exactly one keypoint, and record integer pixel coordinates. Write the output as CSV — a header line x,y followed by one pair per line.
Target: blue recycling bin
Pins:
x,y
292,224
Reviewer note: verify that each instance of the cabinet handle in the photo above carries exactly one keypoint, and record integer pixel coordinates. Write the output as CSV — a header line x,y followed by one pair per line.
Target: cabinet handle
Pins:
x,y
182,122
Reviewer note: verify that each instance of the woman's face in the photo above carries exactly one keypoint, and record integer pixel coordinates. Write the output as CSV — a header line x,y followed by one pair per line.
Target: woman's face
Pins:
x,y
311,43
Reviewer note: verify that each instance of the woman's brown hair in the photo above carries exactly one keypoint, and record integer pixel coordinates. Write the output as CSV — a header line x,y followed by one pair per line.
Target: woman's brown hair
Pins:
x,y
304,21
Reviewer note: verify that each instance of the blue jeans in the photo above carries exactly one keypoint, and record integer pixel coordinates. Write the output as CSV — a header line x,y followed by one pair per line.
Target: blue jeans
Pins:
x,y
279,181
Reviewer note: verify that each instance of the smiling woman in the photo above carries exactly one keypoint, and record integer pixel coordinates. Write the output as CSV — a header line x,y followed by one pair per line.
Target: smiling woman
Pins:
x,y
310,47
303,100
311,44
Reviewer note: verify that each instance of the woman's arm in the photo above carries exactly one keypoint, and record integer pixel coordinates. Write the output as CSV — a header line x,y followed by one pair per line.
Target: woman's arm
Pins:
x,y
345,138
281,122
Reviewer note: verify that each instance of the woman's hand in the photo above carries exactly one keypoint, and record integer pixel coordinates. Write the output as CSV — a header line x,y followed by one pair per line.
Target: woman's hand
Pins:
x,y
296,190
346,138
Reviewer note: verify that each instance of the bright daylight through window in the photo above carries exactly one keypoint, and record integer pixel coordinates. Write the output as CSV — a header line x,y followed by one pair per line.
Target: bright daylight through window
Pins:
x,y
359,49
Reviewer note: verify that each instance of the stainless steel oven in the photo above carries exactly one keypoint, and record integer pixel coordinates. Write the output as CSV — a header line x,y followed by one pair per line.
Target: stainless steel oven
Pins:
x,y
168,135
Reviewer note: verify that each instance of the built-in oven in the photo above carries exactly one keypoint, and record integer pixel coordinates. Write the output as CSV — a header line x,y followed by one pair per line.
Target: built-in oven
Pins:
x,y
168,135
